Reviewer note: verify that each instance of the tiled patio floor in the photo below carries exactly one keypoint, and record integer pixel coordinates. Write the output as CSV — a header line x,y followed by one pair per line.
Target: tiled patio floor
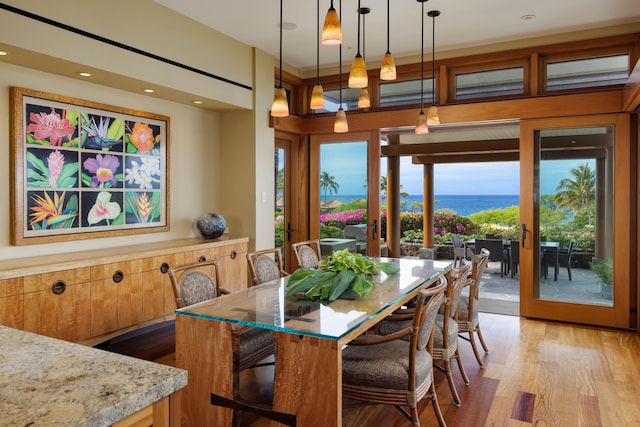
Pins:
x,y
502,294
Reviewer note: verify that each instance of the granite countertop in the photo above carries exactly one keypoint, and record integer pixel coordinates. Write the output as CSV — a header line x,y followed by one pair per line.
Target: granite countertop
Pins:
x,y
50,382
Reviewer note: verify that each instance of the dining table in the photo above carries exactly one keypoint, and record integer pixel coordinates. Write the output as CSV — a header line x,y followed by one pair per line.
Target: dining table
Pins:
x,y
310,336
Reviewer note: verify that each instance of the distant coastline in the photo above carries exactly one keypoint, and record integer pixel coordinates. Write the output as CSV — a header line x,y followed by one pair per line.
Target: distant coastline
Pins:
x,y
463,205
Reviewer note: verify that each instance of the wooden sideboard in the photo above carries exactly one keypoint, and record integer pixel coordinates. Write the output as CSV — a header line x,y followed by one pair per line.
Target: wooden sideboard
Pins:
x,y
86,296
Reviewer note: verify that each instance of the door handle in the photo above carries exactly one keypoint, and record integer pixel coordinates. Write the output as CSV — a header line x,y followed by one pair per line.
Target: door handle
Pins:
x,y
524,233
289,230
374,229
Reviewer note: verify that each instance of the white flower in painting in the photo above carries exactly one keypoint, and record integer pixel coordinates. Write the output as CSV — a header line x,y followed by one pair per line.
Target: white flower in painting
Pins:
x,y
103,209
142,174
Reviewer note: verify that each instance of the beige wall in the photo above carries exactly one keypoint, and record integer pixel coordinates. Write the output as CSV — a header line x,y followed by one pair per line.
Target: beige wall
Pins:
x,y
220,161
194,158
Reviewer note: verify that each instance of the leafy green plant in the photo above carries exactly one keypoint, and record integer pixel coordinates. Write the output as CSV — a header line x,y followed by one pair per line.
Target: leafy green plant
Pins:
x,y
336,274
604,270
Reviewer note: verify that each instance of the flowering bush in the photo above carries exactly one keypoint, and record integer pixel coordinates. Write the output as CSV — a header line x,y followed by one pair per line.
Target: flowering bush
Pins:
x,y
446,222
344,218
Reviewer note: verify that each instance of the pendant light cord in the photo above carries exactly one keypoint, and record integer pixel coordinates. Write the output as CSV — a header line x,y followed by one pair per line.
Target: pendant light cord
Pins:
x,y
433,61
280,43
358,27
422,64
388,20
340,57
318,43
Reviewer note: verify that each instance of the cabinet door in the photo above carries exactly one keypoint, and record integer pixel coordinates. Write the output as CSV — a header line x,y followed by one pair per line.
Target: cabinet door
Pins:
x,y
57,304
157,294
11,303
116,296
233,263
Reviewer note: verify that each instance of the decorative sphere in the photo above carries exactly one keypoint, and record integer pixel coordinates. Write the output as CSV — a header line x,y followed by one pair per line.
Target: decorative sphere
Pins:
x,y
211,225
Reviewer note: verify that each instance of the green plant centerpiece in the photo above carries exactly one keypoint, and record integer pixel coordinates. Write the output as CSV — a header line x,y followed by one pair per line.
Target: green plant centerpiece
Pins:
x,y
337,273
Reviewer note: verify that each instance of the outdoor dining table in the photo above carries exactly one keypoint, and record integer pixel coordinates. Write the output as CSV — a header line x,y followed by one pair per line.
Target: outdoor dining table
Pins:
x,y
309,336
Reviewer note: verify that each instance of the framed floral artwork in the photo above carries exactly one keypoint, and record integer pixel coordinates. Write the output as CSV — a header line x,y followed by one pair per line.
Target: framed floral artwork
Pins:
x,y
85,170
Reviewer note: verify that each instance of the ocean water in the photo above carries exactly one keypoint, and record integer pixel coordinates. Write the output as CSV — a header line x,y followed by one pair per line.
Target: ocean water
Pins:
x,y
463,205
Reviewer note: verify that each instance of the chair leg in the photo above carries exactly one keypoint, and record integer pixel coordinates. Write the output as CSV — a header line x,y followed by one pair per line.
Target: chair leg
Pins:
x,y
436,405
472,340
461,367
484,345
415,416
452,386
569,270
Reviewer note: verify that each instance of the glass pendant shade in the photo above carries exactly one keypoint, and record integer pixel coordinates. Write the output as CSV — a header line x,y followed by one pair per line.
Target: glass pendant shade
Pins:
x,y
280,106
331,30
341,125
317,97
388,67
421,125
358,76
433,118
363,100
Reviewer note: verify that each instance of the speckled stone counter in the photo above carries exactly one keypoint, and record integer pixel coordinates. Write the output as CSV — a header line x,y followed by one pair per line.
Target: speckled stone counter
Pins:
x,y
49,382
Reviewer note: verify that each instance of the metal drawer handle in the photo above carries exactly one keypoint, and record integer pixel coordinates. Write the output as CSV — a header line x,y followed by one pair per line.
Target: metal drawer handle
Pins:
x,y
58,287
233,254
118,276
202,259
164,267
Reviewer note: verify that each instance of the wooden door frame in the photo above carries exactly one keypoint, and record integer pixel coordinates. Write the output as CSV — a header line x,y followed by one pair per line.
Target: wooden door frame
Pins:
x,y
373,177
619,315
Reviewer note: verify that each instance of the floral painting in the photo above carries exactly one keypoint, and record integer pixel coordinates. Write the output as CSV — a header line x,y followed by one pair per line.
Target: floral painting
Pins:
x,y
84,170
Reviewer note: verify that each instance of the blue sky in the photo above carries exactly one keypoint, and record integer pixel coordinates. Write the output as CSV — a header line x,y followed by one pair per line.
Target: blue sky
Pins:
x,y
347,163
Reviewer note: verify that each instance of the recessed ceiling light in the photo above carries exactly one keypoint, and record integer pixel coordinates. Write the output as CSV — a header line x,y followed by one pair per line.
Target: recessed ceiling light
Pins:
x,y
3,53
528,17
84,74
197,102
148,90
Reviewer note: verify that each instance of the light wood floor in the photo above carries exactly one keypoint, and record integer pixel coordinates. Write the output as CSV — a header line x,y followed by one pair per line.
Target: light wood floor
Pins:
x,y
536,373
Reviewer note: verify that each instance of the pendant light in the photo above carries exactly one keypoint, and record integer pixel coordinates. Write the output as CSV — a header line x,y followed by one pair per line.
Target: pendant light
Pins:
x,y
340,125
421,125
317,94
432,117
358,75
388,67
364,101
280,106
331,30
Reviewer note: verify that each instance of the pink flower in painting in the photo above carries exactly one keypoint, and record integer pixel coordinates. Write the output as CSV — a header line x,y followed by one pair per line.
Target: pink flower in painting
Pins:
x,y
103,167
50,126
55,161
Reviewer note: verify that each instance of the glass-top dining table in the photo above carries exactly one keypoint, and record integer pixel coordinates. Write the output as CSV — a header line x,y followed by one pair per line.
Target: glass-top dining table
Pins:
x,y
309,338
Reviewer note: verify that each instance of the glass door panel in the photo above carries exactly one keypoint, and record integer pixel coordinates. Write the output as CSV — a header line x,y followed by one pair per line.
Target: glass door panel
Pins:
x,y
575,178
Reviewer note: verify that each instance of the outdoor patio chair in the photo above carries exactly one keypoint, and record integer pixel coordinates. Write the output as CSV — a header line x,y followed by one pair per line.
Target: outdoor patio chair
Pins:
x,y
468,321
459,250
498,252
397,369
514,257
564,257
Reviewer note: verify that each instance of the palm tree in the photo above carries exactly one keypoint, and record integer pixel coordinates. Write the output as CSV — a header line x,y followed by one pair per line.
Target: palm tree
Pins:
x,y
328,184
579,193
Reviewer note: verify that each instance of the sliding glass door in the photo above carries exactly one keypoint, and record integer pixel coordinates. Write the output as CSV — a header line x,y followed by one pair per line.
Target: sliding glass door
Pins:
x,y
575,222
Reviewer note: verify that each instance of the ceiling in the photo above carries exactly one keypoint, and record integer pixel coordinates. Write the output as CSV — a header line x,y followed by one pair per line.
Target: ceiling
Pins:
x,y
461,25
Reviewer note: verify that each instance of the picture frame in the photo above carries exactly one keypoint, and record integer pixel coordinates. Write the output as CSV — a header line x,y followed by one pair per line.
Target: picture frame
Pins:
x,y
82,170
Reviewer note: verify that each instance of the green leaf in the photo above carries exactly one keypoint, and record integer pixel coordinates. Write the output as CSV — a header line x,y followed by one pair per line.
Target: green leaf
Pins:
x,y
361,285
116,129
70,170
389,268
344,279
37,164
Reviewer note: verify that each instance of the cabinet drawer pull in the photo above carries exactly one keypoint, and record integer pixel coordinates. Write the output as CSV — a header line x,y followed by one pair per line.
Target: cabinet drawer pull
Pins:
x,y
202,259
58,287
118,276
233,254
164,267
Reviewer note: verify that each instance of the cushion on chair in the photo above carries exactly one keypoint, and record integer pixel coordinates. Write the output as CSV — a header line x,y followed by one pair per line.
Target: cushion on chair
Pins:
x,y
384,365
196,286
438,340
266,269
308,257
463,310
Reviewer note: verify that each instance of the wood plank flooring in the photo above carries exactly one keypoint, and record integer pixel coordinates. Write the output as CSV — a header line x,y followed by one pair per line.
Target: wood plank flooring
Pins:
x,y
536,373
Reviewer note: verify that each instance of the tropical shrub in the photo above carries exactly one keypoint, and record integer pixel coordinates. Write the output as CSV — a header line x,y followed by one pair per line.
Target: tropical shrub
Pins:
x,y
445,222
329,231
340,219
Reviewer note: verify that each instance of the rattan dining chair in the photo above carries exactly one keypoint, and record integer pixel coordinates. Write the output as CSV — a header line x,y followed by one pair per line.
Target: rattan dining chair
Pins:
x,y
307,253
266,265
198,282
397,369
445,339
468,321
